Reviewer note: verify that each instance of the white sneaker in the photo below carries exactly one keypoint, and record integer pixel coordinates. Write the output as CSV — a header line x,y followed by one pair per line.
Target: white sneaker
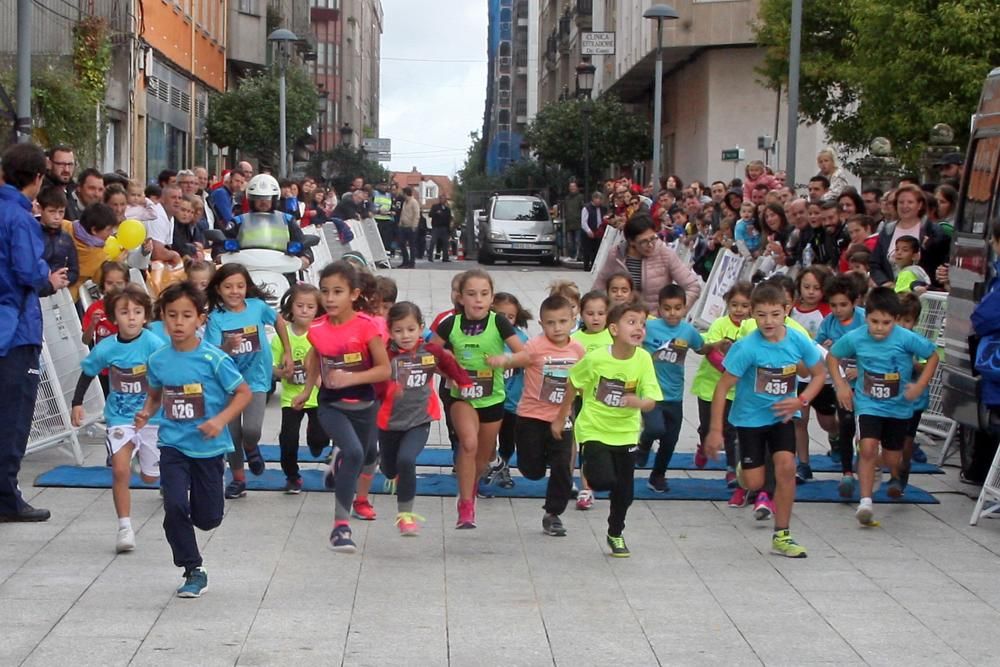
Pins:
x,y
126,540
865,514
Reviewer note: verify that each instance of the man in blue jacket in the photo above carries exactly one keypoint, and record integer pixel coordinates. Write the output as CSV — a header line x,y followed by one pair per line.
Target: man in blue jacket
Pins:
x,y
23,274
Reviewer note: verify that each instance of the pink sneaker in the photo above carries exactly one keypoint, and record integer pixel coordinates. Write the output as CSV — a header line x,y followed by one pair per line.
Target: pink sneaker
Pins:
x,y
466,514
408,524
363,510
700,460
739,497
731,480
585,499
763,509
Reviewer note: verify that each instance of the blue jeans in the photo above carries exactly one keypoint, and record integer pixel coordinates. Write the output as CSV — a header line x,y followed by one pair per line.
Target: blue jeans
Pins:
x,y
19,376
662,423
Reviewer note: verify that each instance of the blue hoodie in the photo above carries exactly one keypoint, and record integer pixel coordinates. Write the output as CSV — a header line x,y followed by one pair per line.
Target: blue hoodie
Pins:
x,y
23,272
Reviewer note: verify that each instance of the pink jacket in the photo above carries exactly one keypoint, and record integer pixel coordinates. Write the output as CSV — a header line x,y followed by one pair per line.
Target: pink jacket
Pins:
x,y
749,185
661,268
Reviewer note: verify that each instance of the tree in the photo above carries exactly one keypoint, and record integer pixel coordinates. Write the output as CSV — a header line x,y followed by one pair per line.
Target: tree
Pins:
x,y
340,166
616,136
888,68
247,118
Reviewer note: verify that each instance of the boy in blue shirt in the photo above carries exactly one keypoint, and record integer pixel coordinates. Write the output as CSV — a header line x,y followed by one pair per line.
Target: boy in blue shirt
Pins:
x,y
668,340
763,368
841,293
883,395
200,391
909,315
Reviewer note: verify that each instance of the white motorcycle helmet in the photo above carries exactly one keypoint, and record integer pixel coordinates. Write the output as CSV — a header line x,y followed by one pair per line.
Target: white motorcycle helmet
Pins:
x,y
263,186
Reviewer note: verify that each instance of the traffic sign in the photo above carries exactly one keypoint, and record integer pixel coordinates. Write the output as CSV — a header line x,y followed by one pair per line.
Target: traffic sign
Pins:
x,y
597,43
733,154
380,157
376,145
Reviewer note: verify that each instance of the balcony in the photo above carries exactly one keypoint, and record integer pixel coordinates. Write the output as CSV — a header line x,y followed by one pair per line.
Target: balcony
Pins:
x,y
503,98
584,14
505,30
504,63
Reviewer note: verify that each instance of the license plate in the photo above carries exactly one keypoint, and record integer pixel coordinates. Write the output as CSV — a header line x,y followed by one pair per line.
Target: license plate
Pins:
x,y
523,246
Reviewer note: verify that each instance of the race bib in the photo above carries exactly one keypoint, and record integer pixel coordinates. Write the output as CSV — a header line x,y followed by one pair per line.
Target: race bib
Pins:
x,y
775,381
128,380
184,403
612,392
553,386
673,352
351,361
298,372
413,374
848,365
482,385
881,386
245,340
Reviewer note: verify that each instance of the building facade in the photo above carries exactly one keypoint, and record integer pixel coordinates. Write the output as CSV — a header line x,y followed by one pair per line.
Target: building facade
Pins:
x,y
429,189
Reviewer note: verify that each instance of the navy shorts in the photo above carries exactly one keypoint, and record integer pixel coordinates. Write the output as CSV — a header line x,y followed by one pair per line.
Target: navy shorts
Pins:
x,y
889,431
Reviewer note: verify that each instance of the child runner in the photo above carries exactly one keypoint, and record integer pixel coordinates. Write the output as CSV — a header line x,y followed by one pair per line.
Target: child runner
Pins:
x,y
477,336
444,391
568,290
668,340
909,315
541,442
97,325
347,358
715,344
845,316
883,395
299,307
201,391
592,334
617,383
762,366
621,289
236,325
810,310
125,356
513,379
410,406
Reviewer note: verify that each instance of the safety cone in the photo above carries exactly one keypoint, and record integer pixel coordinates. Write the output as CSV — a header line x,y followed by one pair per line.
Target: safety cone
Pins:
x,y
461,252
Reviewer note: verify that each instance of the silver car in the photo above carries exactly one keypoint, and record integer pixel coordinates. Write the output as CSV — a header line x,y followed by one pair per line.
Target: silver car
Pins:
x,y
516,227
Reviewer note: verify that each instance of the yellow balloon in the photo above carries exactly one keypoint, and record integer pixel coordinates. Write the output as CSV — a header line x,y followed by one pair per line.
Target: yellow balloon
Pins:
x,y
113,248
131,234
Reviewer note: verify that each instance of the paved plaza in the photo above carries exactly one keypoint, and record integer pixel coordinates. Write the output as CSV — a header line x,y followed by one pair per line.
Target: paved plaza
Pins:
x,y
699,589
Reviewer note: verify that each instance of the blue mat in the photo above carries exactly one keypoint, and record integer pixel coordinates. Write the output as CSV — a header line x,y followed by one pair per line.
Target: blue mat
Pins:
x,y
442,457
441,484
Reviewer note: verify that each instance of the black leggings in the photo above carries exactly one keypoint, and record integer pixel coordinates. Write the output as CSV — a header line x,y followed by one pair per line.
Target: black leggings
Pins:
x,y
611,468
728,432
538,450
507,436
399,451
288,438
846,444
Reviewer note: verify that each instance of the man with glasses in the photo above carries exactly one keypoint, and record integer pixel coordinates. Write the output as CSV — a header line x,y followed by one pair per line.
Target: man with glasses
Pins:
x,y
61,167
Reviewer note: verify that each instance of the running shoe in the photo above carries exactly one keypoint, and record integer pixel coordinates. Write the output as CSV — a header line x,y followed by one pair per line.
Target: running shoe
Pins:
x,y
700,460
466,514
585,500
126,540
763,509
618,548
553,525
895,489
658,483
641,457
490,476
503,479
293,487
340,540
919,455
408,524
848,485
834,455
483,488
739,497
316,451
803,473
236,489
865,514
195,583
256,462
362,509
731,481
784,545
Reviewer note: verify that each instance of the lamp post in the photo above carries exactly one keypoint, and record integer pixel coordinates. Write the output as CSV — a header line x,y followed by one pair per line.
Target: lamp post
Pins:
x,y
281,37
345,134
584,86
321,98
659,13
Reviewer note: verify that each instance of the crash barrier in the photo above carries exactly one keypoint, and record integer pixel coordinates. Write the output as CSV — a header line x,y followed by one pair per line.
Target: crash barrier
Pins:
x,y
612,237
711,305
62,352
375,245
934,426
322,255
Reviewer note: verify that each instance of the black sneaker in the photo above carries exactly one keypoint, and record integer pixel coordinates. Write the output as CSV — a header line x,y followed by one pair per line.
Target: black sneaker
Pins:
x,y
293,487
618,548
658,483
341,542
895,489
236,489
26,514
641,457
256,462
553,525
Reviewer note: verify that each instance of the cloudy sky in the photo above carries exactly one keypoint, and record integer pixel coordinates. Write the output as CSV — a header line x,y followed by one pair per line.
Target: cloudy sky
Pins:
x,y
433,81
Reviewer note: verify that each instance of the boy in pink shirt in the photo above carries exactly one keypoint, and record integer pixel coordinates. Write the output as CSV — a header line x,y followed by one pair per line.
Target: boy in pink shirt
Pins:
x,y
547,360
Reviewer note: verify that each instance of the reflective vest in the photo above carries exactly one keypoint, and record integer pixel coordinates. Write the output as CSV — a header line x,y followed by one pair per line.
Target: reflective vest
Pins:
x,y
264,231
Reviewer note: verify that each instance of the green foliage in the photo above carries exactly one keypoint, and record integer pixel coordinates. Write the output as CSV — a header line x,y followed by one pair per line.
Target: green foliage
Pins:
x,y
92,57
616,136
888,68
247,118
338,167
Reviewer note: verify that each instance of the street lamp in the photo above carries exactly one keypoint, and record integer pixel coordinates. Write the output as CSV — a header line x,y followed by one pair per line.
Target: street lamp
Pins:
x,y
345,134
282,37
659,13
321,98
584,86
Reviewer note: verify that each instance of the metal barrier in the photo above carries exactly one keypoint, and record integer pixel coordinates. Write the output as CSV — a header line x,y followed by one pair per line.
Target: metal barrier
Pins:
x,y
375,246
321,255
934,426
727,270
62,352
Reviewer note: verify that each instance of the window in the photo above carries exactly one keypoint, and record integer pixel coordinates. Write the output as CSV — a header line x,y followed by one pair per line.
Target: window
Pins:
x,y
982,187
247,7
524,209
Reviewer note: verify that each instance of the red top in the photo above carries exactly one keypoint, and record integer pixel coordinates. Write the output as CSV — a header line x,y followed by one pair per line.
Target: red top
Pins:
x,y
344,347
103,327
409,399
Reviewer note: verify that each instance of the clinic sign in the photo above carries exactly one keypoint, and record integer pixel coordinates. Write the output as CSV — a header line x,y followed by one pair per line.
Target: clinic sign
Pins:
x,y
597,43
